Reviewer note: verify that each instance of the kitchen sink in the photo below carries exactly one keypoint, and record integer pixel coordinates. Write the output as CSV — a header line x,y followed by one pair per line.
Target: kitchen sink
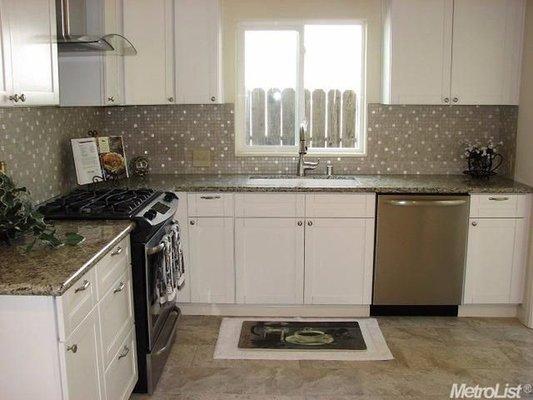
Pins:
x,y
302,177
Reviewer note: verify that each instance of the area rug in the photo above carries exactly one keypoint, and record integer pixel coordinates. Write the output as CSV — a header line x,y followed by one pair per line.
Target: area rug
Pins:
x,y
375,348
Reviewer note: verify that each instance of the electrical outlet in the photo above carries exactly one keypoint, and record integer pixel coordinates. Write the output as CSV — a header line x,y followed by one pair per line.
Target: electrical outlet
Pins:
x,y
201,158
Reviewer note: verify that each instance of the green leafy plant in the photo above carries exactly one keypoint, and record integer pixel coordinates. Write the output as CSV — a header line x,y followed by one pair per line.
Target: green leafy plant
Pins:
x,y
18,218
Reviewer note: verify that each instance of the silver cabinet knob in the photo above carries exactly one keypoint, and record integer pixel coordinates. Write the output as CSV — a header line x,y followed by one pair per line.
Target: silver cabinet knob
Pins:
x,y
124,352
474,223
120,288
117,251
192,222
446,99
14,97
300,223
22,97
309,223
455,99
213,98
171,99
83,287
73,348
111,99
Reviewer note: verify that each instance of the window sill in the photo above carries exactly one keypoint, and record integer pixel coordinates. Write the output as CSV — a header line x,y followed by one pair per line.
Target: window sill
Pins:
x,y
294,153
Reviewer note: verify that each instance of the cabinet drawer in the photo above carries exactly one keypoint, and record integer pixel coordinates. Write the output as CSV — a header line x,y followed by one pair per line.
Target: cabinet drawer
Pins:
x,y
210,204
116,315
112,266
76,303
121,375
498,205
340,205
278,205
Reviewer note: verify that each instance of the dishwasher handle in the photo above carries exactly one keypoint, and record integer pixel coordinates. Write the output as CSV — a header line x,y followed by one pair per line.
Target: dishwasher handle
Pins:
x,y
426,203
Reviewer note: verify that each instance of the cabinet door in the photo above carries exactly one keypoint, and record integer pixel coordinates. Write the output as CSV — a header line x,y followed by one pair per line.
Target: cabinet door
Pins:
x,y
339,261
113,66
269,256
82,362
32,26
212,272
6,84
491,261
149,75
417,55
487,44
197,30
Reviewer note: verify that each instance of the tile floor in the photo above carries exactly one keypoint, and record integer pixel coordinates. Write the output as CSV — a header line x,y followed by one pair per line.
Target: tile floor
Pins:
x,y
430,354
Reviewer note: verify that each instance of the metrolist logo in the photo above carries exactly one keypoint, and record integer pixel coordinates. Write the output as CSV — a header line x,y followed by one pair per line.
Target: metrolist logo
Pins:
x,y
463,391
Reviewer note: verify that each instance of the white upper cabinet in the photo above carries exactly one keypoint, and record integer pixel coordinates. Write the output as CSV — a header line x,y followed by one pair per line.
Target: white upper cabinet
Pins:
x,y
487,50
149,76
417,51
452,51
198,52
28,73
6,82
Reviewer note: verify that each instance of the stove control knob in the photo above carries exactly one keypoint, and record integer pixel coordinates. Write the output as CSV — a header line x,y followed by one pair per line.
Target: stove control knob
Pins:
x,y
169,196
150,214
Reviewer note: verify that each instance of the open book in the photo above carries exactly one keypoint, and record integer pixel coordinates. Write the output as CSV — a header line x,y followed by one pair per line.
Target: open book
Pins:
x,y
99,159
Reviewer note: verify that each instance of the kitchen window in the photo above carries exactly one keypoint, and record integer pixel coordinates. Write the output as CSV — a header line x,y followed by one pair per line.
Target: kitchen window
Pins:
x,y
288,74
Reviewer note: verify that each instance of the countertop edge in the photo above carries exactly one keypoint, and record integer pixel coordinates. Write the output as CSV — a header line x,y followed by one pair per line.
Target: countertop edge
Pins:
x,y
90,263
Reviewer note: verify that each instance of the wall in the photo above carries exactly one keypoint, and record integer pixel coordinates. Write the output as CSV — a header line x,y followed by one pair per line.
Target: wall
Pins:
x,y
401,139
235,11
524,145
34,142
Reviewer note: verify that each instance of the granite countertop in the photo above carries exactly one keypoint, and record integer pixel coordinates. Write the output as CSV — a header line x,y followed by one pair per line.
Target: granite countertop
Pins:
x,y
355,183
50,272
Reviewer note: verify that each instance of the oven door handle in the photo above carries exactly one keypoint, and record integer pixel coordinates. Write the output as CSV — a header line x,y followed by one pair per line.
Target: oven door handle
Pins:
x,y
169,341
156,249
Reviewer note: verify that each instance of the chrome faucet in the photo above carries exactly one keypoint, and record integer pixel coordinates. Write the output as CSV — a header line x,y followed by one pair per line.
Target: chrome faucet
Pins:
x,y
302,164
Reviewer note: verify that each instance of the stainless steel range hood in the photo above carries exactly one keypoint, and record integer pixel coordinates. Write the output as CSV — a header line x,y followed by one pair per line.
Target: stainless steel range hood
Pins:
x,y
72,33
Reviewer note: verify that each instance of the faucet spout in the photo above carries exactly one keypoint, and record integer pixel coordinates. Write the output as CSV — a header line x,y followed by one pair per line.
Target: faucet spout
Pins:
x,y
303,165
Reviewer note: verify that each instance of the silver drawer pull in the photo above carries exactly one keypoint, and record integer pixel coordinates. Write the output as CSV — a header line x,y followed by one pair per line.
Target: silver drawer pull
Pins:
x,y
124,352
83,287
73,348
498,198
117,251
210,197
120,287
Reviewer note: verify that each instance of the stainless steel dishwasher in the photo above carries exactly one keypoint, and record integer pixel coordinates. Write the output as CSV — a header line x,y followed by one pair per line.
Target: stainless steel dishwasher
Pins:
x,y
420,250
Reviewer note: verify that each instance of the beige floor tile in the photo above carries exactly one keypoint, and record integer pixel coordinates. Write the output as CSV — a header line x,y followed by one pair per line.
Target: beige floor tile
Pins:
x,y
430,355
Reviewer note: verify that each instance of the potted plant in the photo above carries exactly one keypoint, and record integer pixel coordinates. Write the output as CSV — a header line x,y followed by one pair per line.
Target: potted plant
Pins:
x,y
18,219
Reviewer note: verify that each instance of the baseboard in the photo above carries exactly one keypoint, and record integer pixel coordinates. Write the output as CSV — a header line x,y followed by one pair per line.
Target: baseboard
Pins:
x,y
252,310
488,310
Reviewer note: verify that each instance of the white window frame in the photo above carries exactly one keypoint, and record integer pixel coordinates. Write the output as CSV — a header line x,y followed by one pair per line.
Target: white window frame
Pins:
x,y
242,148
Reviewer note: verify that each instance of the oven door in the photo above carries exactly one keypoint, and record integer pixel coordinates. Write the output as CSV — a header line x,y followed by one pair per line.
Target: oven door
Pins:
x,y
162,279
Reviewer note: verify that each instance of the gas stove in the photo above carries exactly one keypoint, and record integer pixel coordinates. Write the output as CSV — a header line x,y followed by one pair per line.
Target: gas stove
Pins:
x,y
98,204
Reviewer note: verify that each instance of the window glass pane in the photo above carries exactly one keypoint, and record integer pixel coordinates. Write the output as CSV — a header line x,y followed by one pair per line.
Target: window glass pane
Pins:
x,y
333,82
271,68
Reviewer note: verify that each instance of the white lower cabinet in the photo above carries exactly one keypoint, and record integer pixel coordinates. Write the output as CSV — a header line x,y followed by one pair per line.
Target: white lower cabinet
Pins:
x,y
495,269
80,345
497,249
212,271
82,362
121,375
269,260
339,260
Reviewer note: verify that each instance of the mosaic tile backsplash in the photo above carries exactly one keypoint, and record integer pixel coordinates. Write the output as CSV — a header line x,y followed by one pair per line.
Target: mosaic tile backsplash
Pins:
x,y
401,139
34,142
